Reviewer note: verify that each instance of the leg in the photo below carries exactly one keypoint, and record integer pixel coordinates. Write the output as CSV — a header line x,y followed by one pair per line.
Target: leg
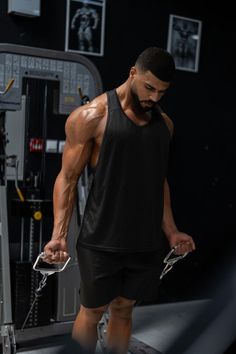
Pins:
x,y
81,38
89,38
85,327
119,325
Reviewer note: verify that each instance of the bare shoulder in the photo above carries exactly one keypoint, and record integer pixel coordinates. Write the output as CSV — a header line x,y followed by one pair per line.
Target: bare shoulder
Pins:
x,y
167,119
83,123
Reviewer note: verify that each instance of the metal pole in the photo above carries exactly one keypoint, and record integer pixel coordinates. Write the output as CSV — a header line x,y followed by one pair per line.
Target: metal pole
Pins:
x,y
7,327
5,264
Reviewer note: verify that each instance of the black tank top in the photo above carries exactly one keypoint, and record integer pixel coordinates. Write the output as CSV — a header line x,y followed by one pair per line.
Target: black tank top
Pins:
x,y
124,208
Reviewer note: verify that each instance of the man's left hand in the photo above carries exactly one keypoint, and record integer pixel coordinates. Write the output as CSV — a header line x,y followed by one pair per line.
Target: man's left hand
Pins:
x,y
184,242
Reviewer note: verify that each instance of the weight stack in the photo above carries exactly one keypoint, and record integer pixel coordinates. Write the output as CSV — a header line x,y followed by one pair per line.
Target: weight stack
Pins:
x,y
25,282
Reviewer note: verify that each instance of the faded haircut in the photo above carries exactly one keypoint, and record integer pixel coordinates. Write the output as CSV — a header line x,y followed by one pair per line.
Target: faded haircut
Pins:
x,y
158,61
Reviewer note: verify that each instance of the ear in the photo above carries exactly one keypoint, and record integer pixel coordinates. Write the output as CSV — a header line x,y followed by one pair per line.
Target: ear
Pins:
x,y
133,71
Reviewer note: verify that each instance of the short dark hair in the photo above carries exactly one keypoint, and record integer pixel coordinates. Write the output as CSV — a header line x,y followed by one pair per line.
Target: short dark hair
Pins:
x,y
158,61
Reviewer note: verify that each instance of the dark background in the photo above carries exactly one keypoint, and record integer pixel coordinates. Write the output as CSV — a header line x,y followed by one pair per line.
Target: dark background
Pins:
x,y
202,106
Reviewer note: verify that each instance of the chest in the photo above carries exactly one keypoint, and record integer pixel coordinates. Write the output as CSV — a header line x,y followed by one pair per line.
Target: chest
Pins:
x,y
122,136
124,133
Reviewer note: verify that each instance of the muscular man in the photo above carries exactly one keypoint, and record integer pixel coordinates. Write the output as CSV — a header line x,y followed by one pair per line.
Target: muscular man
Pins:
x,y
125,139
87,22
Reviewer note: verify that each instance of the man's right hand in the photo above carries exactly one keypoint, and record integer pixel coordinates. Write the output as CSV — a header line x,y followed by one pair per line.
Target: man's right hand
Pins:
x,y
56,251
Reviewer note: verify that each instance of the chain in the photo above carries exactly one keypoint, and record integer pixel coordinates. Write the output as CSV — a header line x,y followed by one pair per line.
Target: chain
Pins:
x,y
38,291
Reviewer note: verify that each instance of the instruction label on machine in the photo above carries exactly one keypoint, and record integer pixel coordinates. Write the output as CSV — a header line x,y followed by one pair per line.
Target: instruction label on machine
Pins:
x,y
70,74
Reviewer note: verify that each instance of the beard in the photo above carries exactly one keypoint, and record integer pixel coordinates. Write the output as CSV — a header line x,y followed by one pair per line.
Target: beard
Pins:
x,y
137,103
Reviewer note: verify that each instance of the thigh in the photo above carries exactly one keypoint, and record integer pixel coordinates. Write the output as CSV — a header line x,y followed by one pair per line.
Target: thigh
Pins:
x,y
101,277
142,276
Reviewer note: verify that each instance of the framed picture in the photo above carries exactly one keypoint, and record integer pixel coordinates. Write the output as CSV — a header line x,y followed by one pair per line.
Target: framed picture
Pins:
x,y
184,42
85,22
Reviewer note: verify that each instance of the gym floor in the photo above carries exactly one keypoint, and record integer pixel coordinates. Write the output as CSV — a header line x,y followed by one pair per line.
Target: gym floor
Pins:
x,y
181,327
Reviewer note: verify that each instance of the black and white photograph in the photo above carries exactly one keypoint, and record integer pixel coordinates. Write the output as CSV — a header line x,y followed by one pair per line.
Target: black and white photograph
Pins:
x,y
184,42
85,22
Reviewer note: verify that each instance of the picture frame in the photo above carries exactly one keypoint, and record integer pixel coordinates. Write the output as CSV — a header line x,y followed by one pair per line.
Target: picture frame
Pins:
x,y
184,37
85,26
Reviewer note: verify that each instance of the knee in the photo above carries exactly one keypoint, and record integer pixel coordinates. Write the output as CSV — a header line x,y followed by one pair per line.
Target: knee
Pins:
x,y
93,315
121,308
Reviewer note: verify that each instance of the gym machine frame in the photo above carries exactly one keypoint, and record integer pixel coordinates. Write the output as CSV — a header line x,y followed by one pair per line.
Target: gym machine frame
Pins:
x,y
36,63
7,326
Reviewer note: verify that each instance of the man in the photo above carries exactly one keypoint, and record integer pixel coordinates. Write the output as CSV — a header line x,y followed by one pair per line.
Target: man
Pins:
x,y
125,139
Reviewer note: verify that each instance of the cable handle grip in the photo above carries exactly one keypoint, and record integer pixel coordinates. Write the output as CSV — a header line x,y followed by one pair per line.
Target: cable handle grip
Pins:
x,y
170,259
48,268
45,269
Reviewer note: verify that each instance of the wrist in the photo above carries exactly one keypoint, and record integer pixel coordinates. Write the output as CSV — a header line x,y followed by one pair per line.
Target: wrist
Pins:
x,y
170,232
58,237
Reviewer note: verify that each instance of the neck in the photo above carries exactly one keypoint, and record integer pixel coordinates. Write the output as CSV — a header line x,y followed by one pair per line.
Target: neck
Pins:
x,y
128,106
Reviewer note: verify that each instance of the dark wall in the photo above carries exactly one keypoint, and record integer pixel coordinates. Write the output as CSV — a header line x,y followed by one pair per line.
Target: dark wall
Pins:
x,y
202,105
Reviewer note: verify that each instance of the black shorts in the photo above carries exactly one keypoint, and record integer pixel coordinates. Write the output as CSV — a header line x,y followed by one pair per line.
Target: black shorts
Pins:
x,y
107,275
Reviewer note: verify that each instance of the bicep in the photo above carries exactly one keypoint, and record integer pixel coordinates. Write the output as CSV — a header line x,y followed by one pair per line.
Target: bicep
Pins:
x,y
166,187
169,123
167,120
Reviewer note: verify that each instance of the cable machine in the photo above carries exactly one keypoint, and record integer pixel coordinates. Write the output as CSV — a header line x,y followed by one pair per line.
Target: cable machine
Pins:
x,y
38,90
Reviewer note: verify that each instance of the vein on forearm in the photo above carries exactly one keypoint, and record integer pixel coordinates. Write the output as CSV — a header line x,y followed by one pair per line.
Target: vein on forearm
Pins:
x,y
63,200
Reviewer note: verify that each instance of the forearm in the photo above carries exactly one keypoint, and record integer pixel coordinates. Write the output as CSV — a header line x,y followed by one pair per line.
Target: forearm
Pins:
x,y
175,237
168,223
64,195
